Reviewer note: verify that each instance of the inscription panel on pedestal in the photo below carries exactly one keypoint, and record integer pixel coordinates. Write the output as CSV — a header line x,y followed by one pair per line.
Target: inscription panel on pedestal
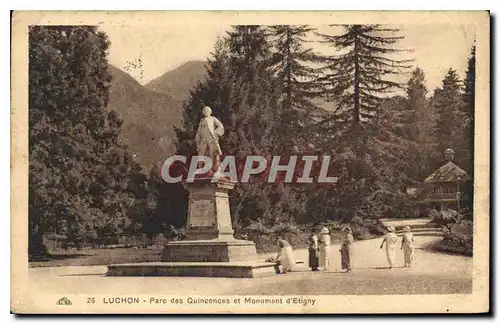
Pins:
x,y
223,213
202,213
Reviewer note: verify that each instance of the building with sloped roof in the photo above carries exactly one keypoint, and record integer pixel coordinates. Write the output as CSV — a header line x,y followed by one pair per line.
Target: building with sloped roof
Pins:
x,y
446,187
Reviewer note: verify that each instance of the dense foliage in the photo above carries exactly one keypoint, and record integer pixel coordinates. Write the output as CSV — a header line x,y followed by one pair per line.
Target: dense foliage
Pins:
x,y
83,184
457,243
445,217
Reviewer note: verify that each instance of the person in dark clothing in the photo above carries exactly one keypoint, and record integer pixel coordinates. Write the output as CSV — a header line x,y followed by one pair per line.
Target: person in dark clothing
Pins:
x,y
346,250
312,241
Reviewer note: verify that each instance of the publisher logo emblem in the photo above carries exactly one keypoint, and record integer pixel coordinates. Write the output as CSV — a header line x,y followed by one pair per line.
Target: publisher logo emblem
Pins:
x,y
64,301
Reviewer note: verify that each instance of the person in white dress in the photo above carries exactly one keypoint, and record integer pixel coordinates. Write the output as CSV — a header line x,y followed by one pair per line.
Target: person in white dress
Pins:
x,y
390,240
285,258
324,249
407,245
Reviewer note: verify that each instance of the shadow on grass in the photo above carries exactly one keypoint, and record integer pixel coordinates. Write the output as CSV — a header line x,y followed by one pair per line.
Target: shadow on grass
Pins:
x,y
95,257
353,270
59,256
437,247
313,272
83,275
379,268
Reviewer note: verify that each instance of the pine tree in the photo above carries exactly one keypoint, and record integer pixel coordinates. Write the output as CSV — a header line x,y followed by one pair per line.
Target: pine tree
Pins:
x,y
421,120
448,103
416,92
260,128
470,86
469,98
358,79
258,91
249,49
365,131
468,130
81,180
292,65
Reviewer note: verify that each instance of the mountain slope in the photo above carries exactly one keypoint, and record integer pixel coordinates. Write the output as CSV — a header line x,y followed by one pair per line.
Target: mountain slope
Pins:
x,y
180,80
148,118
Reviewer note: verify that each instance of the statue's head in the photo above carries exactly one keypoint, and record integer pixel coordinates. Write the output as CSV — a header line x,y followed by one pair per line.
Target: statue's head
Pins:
x,y
207,111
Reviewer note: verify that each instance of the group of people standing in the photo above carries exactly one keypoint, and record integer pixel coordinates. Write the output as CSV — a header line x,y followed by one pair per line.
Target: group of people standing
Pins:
x,y
407,245
319,250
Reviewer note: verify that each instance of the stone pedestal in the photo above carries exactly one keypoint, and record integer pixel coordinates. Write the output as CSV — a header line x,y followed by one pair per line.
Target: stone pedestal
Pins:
x,y
209,216
210,249
209,233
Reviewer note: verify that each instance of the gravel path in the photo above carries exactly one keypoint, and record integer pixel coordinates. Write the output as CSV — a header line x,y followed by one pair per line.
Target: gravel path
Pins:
x,y
433,273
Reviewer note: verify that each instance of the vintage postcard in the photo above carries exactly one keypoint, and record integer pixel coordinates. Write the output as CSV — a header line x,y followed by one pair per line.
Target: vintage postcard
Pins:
x,y
250,162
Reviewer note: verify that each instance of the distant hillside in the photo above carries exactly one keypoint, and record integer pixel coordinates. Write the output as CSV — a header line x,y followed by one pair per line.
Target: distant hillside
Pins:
x,y
148,118
179,81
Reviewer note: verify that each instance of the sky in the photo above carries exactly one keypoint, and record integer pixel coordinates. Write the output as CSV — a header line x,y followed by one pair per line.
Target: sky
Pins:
x,y
435,48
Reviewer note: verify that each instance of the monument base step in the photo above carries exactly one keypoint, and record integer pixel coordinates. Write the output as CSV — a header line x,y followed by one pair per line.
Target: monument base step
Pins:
x,y
193,269
217,250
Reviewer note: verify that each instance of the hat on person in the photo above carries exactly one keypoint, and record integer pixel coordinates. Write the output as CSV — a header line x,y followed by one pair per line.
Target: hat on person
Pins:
x,y
391,229
347,229
406,228
324,230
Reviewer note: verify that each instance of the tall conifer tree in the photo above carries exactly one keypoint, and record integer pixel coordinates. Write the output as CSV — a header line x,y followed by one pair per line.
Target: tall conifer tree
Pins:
x,y
420,125
448,102
469,98
82,181
292,65
359,78
358,82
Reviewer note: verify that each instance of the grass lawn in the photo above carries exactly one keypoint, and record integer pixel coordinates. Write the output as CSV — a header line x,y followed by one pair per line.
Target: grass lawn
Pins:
x,y
99,257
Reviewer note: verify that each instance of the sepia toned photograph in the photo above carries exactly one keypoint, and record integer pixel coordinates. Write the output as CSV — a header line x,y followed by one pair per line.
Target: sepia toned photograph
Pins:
x,y
250,162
